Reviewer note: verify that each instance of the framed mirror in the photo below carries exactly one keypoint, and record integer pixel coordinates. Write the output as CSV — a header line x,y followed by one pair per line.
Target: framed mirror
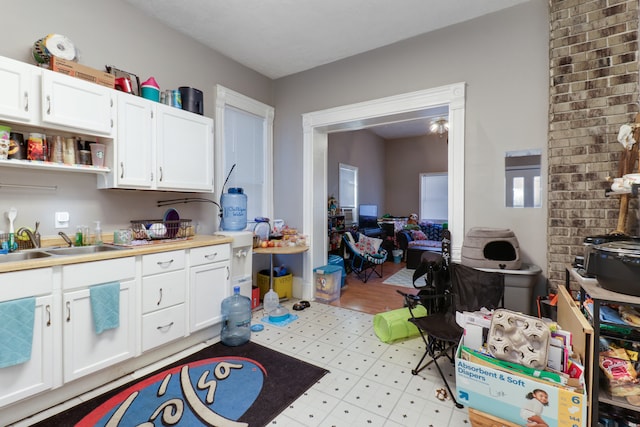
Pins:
x,y
522,179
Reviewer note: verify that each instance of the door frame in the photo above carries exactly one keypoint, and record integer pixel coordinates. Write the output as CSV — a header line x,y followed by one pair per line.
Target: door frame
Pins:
x,y
409,106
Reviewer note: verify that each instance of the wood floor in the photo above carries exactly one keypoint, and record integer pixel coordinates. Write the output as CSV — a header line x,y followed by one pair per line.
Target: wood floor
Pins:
x,y
372,297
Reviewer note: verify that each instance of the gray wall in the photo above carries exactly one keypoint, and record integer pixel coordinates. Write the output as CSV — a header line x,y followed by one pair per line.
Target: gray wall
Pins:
x,y
503,58
366,151
113,33
388,170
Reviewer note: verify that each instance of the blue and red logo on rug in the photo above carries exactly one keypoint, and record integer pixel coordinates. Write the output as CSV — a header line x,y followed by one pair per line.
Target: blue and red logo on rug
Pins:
x,y
209,392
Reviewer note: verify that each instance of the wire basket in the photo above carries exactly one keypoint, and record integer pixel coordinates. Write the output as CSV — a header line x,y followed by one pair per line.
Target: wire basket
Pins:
x,y
158,229
22,244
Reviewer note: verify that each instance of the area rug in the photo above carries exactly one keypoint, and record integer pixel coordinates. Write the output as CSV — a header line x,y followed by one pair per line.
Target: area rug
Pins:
x,y
403,277
218,386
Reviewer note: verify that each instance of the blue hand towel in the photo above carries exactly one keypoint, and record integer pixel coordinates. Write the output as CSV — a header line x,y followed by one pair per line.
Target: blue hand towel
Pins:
x,y
105,306
16,331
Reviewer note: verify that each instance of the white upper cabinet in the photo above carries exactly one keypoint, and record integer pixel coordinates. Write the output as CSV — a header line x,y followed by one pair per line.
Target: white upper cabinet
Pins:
x,y
18,91
133,162
158,147
184,150
72,103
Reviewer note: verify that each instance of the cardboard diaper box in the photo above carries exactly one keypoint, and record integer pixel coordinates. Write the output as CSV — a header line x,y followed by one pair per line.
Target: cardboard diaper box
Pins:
x,y
83,72
510,393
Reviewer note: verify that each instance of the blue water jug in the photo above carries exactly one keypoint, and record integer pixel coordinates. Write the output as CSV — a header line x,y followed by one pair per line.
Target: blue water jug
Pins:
x,y
234,210
236,319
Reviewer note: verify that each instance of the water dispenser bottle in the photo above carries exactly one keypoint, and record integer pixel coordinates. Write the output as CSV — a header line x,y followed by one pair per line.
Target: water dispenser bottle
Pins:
x,y
234,210
236,319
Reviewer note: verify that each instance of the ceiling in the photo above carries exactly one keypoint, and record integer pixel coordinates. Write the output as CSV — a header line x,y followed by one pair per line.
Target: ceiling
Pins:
x,y
278,38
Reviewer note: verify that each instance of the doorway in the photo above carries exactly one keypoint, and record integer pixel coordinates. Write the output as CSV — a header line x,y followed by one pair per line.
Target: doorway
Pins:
x,y
317,125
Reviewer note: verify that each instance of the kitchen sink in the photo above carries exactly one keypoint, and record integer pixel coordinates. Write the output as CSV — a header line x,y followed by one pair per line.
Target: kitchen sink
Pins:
x,y
23,256
83,250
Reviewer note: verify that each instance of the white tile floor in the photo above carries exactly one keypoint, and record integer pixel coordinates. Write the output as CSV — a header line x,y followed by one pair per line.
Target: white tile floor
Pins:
x,y
370,382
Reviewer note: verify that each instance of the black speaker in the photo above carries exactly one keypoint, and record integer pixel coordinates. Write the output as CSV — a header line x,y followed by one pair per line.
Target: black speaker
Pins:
x,y
191,99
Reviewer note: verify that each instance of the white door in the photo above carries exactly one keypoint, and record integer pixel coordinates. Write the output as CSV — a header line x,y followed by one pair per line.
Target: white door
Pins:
x,y
84,351
71,102
134,158
184,150
36,375
209,286
17,91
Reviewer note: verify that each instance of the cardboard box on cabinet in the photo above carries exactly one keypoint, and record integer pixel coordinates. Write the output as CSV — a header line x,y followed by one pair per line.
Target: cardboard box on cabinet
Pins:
x,y
505,394
83,72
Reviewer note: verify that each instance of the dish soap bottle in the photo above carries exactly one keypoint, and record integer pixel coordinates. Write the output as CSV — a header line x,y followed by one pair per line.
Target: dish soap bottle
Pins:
x,y
97,234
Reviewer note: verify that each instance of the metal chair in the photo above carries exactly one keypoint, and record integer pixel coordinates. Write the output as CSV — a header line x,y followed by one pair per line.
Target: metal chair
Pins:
x,y
363,264
470,290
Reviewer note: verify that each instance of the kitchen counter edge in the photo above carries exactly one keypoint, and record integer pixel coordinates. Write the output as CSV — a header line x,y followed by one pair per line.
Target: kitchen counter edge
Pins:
x,y
194,242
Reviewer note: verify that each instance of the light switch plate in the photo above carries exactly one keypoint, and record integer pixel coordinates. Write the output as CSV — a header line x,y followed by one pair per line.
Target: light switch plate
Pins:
x,y
62,220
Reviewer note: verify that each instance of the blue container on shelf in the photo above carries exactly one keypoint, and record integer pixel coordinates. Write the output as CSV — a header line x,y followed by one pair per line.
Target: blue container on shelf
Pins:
x,y
236,319
234,210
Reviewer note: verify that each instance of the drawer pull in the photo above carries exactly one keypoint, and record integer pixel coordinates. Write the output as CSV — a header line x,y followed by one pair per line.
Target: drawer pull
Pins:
x,y
48,308
165,263
211,256
160,299
68,311
165,326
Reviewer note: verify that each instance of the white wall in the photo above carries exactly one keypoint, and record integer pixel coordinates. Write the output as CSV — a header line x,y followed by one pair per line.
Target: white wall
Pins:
x,y
502,57
113,33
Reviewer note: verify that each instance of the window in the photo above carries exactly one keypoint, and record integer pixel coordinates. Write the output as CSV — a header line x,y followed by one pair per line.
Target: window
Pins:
x,y
348,186
522,180
434,196
244,128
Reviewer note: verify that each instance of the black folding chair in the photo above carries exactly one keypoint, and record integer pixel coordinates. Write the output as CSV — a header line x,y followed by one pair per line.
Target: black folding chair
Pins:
x,y
471,290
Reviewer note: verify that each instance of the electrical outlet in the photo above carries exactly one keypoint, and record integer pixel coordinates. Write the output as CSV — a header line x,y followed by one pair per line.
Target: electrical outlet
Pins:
x,y
62,220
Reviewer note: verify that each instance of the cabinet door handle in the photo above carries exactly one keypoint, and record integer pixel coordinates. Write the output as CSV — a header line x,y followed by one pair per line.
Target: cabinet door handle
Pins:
x,y
111,123
68,311
121,170
165,263
165,326
211,256
160,173
26,101
160,297
228,273
48,104
48,308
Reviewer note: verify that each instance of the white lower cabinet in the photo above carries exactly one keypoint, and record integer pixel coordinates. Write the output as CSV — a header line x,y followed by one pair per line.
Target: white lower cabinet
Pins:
x,y
85,351
164,297
164,284
209,277
37,374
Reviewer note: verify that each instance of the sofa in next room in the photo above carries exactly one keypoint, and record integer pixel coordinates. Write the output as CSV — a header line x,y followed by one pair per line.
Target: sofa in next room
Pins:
x,y
413,242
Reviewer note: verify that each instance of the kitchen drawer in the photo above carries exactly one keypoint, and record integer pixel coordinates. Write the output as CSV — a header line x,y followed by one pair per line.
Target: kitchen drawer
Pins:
x,y
209,254
163,290
96,272
163,326
163,262
27,283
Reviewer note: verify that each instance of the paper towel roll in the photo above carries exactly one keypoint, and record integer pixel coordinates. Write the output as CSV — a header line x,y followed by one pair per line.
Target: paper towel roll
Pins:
x,y
54,45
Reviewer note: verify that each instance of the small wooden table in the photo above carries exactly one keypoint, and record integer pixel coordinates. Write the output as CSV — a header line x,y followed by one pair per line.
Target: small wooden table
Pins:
x,y
281,250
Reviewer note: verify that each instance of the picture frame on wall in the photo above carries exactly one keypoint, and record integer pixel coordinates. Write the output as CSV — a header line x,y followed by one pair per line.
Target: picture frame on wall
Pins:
x,y
134,80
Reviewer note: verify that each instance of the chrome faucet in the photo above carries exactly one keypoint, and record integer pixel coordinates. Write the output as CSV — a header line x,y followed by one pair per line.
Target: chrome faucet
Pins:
x,y
33,237
65,238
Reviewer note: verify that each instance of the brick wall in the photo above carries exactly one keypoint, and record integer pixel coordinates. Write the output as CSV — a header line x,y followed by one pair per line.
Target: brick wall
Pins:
x,y
593,51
